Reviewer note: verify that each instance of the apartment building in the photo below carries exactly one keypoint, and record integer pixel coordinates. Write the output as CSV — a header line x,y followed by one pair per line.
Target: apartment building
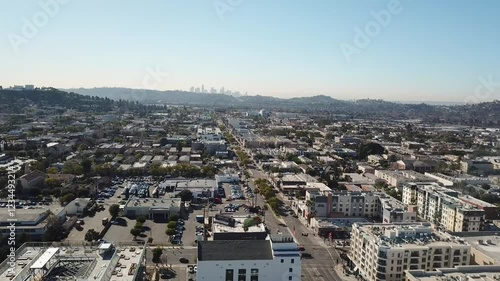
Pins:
x,y
443,207
385,251
358,204
399,178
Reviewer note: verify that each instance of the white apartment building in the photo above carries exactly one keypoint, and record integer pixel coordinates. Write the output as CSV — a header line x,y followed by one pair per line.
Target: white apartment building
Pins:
x,y
249,260
358,204
399,178
385,251
442,207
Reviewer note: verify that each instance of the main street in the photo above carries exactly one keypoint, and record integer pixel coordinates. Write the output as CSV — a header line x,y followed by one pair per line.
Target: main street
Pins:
x,y
323,257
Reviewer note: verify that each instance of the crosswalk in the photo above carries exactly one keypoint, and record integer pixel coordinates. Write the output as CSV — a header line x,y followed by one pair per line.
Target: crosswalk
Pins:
x,y
320,273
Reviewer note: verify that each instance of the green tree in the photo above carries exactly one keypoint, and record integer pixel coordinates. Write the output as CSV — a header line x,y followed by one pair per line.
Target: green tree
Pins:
x,y
114,210
55,230
186,195
172,224
157,252
91,235
52,170
36,165
86,166
170,231
141,219
52,182
135,232
66,198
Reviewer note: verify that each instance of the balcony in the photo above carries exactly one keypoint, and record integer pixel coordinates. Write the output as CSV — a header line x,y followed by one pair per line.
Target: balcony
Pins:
x,y
382,262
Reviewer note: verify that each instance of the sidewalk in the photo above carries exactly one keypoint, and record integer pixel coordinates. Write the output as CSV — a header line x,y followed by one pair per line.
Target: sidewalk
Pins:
x,y
340,272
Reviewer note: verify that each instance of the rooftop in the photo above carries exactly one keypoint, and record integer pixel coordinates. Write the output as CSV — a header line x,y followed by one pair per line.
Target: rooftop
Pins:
x,y
408,235
469,272
74,261
235,250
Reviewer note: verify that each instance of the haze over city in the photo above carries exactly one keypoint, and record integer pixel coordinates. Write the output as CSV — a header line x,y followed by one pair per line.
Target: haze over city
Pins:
x,y
393,50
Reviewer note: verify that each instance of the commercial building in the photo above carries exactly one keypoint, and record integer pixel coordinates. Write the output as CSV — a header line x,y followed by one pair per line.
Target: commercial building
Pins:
x,y
442,207
451,181
76,261
31,220
476,167
232,228
385,251
154,209
277,258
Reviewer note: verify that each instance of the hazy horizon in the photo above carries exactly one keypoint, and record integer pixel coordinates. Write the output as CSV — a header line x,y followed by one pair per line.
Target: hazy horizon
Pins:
x,y
405,51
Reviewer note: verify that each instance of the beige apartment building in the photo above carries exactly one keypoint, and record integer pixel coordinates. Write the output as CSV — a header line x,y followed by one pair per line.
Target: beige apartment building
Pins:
x,y
385,251
443,207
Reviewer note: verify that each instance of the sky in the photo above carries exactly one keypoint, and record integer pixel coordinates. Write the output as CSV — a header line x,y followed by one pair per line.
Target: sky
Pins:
x,y
402,50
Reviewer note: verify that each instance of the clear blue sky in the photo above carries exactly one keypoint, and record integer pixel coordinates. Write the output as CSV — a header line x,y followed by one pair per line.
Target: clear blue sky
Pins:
x,y
431,50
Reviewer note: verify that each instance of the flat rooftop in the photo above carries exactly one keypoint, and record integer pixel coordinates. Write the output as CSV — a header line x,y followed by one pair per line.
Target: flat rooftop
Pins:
x,y
31,213
235,250
409,235
470,272
238,227
154,202
489,245
83,261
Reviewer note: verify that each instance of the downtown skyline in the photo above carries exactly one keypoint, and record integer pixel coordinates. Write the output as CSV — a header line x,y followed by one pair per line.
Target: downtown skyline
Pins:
x,y
392,50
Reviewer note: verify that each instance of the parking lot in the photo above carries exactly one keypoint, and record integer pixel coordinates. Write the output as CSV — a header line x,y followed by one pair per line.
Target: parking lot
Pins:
x,y
94,222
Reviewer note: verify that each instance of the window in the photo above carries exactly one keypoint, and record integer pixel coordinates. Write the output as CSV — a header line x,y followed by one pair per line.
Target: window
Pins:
x,y
229,275
290,269
291,261
254,274
242,274
282,260
290,278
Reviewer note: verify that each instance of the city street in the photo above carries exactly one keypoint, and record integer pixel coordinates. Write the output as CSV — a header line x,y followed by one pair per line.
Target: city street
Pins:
x,y
323,258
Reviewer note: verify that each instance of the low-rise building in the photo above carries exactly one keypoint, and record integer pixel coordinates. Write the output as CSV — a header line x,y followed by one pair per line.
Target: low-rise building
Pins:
x,y
32,180
76,261
32,220
277,258
154,209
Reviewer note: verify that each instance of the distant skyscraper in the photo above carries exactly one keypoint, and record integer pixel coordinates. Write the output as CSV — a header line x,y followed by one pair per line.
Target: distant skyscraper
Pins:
x,y
222,90
191,90
213,90
197,90
202,88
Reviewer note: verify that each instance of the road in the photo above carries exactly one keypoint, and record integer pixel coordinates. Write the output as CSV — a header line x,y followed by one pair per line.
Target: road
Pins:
x,y
324,258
